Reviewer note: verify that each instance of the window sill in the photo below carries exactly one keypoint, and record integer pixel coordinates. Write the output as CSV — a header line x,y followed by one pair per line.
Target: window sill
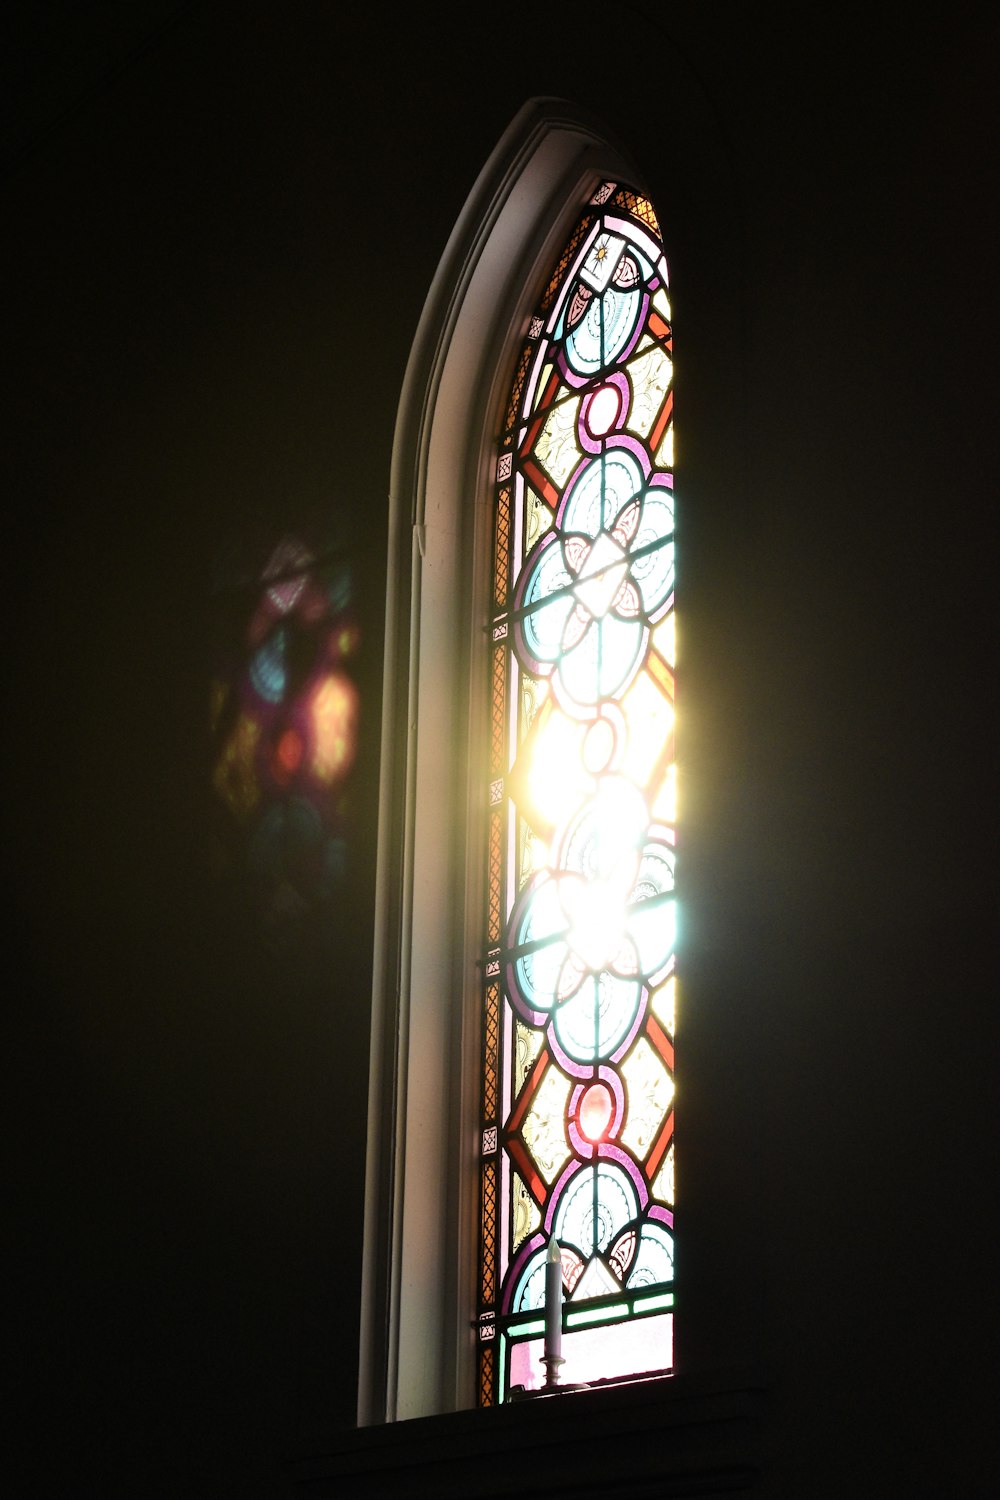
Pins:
x,y
675,1435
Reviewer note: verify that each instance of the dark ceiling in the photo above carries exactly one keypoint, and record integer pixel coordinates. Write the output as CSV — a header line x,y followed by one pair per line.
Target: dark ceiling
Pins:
x,y
54,58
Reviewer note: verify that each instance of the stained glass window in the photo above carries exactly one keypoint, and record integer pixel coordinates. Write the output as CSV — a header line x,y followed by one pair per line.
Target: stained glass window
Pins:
x,y
578,960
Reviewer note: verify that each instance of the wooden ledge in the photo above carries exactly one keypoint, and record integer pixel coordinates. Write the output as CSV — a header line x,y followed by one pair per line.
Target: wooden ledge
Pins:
x,y
674,1435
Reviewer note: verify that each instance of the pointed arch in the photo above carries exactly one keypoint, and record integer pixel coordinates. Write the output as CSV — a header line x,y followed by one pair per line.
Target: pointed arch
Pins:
x,y
420,1289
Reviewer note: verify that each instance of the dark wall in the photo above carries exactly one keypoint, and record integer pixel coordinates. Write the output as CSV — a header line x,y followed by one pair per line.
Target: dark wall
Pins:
x,y
219,249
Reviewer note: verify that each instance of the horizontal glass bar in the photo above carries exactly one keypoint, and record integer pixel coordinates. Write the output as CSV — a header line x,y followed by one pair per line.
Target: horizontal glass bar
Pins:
x,y
518,1330
646,1304
597,1314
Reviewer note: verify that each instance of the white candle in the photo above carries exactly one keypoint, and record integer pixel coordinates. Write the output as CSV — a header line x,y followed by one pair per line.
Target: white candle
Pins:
x,y
553,1306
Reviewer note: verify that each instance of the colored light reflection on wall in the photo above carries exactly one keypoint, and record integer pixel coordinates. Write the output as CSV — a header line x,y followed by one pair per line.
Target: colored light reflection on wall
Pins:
x,y
285,719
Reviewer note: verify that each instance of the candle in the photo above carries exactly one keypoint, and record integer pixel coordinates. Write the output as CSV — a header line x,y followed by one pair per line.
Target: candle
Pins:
x,y
553,1312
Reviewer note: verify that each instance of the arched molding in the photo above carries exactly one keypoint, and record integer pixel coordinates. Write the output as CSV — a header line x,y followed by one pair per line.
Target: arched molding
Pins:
x,y
421,1211
416,1355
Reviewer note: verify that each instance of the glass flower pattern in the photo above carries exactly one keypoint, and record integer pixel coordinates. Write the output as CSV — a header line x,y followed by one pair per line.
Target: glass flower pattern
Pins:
x,y
585,938
578,960
598,580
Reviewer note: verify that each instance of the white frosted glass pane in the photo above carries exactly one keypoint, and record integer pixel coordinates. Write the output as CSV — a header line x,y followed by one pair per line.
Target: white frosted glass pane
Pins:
x,y
616,1351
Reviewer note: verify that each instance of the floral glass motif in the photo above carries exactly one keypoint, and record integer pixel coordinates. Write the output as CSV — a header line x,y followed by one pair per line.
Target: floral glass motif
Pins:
x,y
578,968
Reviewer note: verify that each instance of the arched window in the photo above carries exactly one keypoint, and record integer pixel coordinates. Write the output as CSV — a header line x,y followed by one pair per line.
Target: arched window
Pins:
x,y
521,1086
578,959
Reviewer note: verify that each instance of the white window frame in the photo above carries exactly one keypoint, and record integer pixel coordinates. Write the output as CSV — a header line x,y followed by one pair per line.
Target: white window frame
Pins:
x,y
417,1351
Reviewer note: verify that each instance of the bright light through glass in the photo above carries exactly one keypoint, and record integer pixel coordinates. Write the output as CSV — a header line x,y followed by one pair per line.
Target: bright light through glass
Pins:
x,y
603,573
581,920
603,410
597,920
595,1112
